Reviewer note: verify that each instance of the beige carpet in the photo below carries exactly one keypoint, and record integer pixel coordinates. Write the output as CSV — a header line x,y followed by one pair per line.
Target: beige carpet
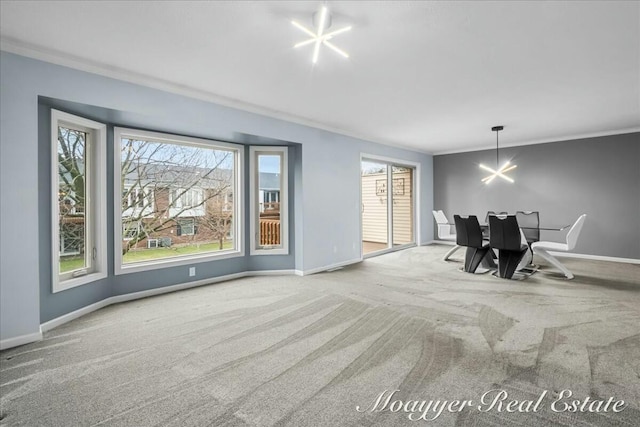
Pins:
x,y
308,351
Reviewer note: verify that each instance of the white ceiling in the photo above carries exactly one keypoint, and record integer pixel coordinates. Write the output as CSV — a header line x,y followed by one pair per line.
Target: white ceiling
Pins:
x,y
433,76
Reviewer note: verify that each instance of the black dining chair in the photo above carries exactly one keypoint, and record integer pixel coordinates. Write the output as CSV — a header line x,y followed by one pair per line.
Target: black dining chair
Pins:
x,y
505,237
530,223
469,234
485,231
492,213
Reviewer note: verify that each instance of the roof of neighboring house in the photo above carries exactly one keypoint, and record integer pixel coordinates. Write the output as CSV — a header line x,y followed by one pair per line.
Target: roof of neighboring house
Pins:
x,y
269,181
180,176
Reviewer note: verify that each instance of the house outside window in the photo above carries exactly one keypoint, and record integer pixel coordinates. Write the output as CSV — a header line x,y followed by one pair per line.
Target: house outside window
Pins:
x,y
173,187
187,198
227,204
270,199
136,198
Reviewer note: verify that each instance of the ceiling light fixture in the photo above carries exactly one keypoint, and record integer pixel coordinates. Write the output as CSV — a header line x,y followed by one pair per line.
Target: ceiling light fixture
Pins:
x,y
498,171
319,37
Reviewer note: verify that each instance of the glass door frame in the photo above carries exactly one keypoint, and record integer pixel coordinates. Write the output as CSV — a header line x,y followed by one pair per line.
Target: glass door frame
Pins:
x,y
415,202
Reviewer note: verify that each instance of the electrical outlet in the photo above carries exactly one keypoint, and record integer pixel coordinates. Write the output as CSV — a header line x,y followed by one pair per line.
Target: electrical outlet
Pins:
x,y
192,271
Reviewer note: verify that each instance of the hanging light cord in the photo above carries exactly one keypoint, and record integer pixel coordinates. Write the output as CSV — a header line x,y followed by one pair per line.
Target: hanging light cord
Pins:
x,y
497,159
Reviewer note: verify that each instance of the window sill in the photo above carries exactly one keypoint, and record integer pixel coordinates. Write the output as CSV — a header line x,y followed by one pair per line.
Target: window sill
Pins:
x,y
279,251
77,281
175,262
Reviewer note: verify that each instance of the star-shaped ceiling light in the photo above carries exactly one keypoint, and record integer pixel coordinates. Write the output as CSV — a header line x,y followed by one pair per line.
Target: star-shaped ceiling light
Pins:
x,y
498,171
319,36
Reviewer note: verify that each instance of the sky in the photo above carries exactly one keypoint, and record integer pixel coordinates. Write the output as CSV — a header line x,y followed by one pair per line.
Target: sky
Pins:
x,y
269,164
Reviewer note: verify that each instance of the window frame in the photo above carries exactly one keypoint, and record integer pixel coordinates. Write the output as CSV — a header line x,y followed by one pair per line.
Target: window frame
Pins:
x,y
166,138
95,201
254,194
182,222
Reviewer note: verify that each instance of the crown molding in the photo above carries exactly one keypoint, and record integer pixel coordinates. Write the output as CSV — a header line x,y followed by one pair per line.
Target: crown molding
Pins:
x,y
542,141
38,52
41,53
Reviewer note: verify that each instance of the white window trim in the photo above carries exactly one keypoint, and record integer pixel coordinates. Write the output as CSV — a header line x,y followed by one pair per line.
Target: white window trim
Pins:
x,y
256,249
238,214
98,212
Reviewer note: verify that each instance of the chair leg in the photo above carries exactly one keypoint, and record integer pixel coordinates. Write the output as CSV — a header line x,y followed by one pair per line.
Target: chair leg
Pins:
x,y
473,258
488,260
448,254
526,261
553,261
508,261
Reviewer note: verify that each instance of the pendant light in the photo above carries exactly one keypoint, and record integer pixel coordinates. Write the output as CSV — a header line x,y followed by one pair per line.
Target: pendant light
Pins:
x,y
499,171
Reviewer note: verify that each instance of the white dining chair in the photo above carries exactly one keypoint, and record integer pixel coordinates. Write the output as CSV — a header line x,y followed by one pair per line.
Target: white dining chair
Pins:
x,y
444,232
525,264
542,248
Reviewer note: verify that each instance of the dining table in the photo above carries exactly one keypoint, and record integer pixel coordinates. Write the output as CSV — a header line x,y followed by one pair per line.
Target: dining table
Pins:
x,y
489,262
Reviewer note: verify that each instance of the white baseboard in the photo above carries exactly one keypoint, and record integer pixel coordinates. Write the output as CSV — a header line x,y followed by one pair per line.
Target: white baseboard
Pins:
x,y
328,267
174,288
595,257
47,326
53,323
272,273
440,242
21,340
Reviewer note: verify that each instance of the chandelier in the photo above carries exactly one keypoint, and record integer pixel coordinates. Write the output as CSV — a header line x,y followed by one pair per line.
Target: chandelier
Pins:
x,y
499,171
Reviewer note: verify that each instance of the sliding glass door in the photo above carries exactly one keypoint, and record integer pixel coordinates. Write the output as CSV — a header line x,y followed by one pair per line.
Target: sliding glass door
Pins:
x,y
375,208
402,212
387,216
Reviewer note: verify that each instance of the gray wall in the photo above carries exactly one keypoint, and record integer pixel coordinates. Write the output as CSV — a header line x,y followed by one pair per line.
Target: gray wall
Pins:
x,y
325,208
597,176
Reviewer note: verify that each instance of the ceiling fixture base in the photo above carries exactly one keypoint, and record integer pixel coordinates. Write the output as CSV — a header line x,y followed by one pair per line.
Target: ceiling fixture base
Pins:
x,y
321,22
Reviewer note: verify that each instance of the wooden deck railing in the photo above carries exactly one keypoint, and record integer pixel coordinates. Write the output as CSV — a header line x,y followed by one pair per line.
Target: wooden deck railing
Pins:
x,y
270,207
269,232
